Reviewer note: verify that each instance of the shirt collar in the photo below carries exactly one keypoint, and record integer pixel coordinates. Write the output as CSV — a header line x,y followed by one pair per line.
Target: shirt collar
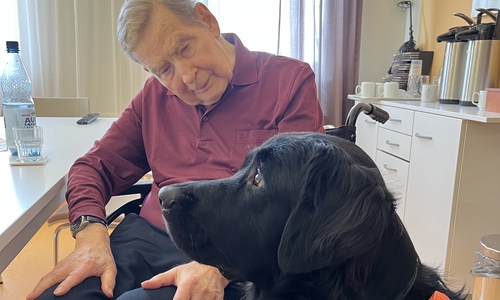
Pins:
x,y
245,65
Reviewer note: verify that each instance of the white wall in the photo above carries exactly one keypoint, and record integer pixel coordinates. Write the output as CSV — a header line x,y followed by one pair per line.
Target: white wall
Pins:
x,y
384,29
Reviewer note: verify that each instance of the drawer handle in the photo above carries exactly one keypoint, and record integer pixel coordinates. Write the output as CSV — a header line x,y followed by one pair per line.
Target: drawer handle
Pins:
x,y
423,136
391,143
389,168
395,120
370,121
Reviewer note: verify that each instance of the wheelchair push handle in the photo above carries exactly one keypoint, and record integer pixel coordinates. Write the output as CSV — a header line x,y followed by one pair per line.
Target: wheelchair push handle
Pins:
x,y
374,112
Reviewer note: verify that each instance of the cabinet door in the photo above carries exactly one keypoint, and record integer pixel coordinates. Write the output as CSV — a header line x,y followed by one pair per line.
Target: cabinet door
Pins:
x,y
366,134
395,173
431,184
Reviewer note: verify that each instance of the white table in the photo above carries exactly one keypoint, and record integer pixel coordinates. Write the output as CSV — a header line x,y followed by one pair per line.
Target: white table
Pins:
x,y
30,194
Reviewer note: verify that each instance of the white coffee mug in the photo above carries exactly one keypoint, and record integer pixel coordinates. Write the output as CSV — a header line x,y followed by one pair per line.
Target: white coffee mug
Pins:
x,y
366,90
429,93
390,90
479,99
379,89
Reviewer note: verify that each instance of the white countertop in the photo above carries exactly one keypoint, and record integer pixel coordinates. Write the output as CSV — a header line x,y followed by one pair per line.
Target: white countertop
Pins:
x,y
471,113
30,194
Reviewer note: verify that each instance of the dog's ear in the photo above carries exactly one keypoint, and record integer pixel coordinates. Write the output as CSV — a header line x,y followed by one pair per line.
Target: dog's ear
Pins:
x,y
341,213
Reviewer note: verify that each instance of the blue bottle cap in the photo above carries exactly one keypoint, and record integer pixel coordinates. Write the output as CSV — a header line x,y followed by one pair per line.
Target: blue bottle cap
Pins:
x,y
12,46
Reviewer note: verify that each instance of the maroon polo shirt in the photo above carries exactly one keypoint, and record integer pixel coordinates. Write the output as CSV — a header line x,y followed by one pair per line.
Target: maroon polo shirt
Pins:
x,y
159,132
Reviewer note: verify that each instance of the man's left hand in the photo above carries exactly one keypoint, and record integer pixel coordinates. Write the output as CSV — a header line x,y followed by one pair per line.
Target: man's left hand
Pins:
x,y
194,281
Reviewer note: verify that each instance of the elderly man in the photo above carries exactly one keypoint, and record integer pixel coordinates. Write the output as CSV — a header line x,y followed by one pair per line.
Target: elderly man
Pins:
x,y
209,101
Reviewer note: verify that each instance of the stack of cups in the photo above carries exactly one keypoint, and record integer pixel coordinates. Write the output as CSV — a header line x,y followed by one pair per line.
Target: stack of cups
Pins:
x,y
414,78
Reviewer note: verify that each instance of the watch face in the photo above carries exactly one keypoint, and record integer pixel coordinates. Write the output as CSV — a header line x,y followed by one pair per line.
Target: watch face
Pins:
x,y
74,226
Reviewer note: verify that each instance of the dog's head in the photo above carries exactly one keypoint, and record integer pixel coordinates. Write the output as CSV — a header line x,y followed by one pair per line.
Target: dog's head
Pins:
x,y
300,202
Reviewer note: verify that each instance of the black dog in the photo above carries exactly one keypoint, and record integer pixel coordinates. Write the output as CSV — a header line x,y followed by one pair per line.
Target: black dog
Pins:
x,y
308,216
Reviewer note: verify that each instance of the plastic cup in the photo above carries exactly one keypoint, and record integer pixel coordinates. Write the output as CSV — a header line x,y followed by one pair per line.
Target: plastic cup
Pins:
x,y
415,68
29,141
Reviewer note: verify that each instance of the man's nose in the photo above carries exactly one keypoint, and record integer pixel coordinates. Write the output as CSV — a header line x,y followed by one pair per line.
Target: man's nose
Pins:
x,y
187,72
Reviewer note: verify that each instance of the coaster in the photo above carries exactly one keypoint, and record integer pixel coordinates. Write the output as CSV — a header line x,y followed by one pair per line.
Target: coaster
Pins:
x,y
15,161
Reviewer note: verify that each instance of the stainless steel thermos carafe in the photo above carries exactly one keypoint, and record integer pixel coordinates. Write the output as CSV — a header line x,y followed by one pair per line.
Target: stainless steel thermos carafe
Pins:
x,y
482,68
482,65
472,59
452,74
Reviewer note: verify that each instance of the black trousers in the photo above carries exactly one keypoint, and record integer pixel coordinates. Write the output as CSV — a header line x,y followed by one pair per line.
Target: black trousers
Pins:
x,y
141,251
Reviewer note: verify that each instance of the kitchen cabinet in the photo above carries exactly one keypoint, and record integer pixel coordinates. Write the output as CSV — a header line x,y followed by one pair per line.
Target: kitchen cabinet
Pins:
x,y
443,161
431,185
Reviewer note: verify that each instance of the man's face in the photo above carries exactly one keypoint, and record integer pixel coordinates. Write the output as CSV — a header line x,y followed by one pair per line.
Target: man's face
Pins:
x,y
189,60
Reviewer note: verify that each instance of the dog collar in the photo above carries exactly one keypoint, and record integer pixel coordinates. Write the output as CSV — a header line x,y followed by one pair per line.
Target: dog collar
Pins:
x,y
407,289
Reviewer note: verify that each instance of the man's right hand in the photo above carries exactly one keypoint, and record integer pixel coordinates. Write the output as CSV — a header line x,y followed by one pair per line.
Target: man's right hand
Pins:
x,y
92,257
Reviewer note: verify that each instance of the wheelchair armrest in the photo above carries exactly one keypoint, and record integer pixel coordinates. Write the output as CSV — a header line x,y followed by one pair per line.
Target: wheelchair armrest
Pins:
x,y
142,187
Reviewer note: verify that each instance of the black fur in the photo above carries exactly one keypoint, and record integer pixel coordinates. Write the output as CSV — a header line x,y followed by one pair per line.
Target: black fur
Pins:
x,y
308,216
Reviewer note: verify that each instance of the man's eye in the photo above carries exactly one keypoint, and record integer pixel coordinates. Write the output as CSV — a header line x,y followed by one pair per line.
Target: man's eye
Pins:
x,y
165,71
187,51
257,179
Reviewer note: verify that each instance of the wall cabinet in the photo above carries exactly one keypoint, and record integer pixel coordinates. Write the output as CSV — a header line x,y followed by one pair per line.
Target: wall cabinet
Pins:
x,y
444,167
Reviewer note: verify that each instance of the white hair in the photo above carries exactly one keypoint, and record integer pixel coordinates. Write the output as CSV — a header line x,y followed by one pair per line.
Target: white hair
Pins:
x,y
135,14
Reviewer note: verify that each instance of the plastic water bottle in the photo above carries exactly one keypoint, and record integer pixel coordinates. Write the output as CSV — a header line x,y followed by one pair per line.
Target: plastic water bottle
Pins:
x,y
18,106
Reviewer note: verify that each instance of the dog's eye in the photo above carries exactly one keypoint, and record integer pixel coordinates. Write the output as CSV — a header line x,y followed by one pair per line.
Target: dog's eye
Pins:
x,y
257,179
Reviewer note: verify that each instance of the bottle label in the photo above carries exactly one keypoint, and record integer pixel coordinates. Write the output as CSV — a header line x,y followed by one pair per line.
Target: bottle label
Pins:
x,y
13,117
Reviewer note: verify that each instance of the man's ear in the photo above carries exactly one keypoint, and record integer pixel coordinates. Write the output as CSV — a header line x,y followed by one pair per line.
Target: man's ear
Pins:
x,y
207,19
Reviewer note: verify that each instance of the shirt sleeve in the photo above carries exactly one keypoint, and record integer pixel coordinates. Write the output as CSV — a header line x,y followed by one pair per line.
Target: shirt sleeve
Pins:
x,y
303,110
114,163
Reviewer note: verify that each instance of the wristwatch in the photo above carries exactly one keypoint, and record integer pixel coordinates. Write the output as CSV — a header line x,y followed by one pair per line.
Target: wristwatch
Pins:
x,y
82,221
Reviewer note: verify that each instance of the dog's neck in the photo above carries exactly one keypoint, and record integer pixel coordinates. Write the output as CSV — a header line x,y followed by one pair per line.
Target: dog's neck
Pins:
x,y
399,252
405,292
396,249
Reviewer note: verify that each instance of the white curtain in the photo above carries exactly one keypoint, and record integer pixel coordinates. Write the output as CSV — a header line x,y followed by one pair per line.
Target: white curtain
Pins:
x,y
326,34
9,31
70,49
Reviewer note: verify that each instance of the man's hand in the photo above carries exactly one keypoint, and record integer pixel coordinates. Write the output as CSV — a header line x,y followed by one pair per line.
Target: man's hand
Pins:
x,y
194,281
91,257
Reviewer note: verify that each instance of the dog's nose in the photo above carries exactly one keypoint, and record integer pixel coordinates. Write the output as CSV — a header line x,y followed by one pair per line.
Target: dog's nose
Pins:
x,y
171,196
166,196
